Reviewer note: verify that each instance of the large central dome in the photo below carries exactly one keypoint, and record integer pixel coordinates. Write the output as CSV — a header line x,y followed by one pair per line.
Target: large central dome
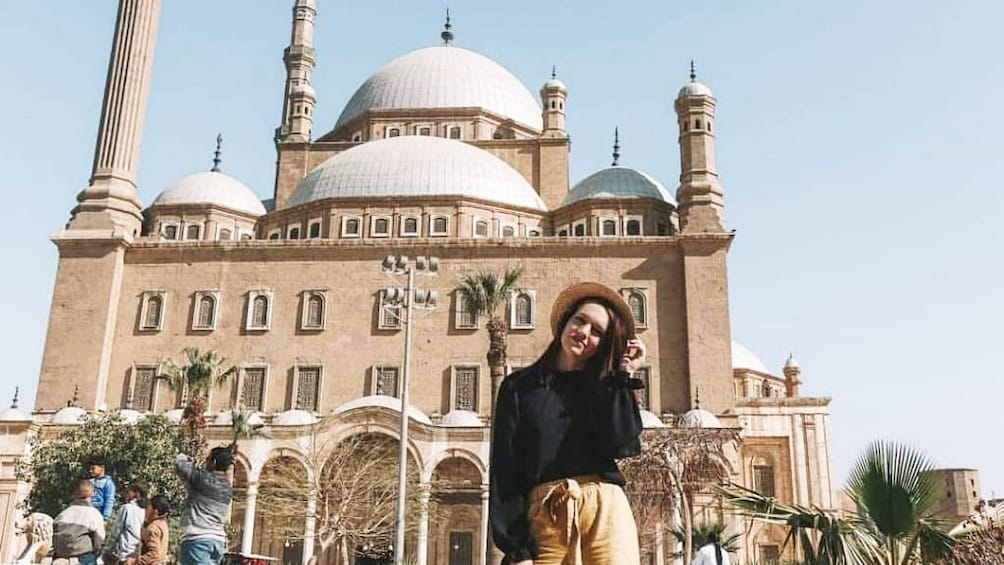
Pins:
x,y
416,165
445,77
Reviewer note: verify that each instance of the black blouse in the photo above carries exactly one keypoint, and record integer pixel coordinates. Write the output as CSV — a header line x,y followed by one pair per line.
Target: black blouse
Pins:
x,y
550,425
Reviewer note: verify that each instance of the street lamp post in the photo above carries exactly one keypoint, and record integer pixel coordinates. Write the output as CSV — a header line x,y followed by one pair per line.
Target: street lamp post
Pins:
x,y
425,299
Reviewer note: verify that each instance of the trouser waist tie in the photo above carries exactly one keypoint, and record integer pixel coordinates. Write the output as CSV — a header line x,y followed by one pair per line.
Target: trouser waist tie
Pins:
x,y
564,498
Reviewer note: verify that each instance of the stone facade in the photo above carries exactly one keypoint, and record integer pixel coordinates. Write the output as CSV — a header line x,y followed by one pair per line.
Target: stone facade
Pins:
x,y
302,311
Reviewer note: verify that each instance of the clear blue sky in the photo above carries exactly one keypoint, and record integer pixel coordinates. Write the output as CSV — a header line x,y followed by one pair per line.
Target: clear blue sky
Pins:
x,y
859,144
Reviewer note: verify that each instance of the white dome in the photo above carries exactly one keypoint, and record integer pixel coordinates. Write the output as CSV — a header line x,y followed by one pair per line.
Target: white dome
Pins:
x,y
175,415
294,418
461,419
555,83
304,89
129,416
791,363
650,420
71,415
226,418
694,88
743,358
618,182
13,415
211,187
417,166
700,418
382,401
445,76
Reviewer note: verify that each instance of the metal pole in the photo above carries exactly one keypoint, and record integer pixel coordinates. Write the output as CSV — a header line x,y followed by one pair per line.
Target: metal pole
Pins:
x,y
402,477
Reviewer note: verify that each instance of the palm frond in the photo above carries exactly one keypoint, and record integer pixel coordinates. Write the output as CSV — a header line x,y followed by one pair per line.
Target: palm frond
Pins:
x,y
487,292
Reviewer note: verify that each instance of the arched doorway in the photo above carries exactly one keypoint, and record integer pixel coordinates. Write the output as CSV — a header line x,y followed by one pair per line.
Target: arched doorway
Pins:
x,y
456,531
283,491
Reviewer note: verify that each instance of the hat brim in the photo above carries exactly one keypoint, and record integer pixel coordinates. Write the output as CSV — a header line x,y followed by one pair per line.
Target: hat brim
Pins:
x,y
585,290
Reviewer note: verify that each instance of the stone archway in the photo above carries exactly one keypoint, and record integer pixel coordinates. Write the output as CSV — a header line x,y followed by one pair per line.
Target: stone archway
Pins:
x,y
238,509
283,491
456,533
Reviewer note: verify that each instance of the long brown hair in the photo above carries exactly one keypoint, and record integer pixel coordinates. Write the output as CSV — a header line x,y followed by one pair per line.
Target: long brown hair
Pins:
x,y
612,345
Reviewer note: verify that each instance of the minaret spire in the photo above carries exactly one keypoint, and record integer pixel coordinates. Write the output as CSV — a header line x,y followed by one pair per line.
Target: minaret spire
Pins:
x,y
110,200
218,154
17,391
447,35
617,148
693,72
554,71
700,195
300,98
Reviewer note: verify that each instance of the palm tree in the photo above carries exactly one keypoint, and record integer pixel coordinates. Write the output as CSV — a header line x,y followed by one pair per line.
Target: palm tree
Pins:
x,y
701,536
194,380
893,489
489,294
242,427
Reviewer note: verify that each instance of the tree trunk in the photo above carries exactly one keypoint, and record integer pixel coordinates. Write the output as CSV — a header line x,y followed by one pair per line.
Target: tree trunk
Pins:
x,y
496,354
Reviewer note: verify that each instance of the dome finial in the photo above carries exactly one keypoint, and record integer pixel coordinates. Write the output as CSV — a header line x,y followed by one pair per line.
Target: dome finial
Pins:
x,y
554,71
617,147
76,396
447,35
697,398
17,391
693,72
218,154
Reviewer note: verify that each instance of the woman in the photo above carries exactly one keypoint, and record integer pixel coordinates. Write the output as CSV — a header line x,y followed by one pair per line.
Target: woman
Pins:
x,y
556,496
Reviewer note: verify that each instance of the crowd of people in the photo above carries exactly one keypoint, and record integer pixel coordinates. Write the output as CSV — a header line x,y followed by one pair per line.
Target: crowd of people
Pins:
x,y
138,534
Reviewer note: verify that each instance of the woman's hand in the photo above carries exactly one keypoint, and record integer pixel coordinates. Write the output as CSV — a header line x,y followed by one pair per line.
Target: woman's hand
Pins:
x,y
634,355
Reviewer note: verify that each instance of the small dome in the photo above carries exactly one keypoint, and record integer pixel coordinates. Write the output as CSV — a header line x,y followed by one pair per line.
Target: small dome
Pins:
x,y
700,418
69,416
791,363
445,76
555,83
175,415
130,416
294,418
226,418
618,182
417,166
650,420
13,415
743,358
304,89
382,401
461,419
212,188
694,88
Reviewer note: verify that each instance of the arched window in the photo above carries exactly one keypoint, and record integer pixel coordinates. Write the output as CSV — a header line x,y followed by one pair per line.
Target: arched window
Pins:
x,y
246,237
686,125
481,228
350,227
455,132
393,132
314,316
273,235
562,233
554,104
225,234
425,131
533,233
524,310
357,138
259,312
171,232
580,230
636,301
294,233
633,227
207,312
315,230
609,227
381,226
410,226
709,125
153,312
765,390
508,231
192,231
561,105
697,124
439,226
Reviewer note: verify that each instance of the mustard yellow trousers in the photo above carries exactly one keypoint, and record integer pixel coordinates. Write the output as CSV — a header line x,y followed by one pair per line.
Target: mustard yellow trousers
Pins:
x,y
582,521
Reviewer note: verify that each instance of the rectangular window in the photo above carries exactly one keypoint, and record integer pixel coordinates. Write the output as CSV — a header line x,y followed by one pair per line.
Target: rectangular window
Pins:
x,y
170,231
143,388
259,310
389,315
351,227
763,479
644,395
463,320
192,231
252,389
465,387
380,227
521,309
314,229
439,226
410,226
206,310
312,310
308,388
152,305
385,381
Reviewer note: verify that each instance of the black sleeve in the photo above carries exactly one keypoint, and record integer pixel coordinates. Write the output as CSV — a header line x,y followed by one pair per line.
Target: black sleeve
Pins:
x,y
619,417
507,508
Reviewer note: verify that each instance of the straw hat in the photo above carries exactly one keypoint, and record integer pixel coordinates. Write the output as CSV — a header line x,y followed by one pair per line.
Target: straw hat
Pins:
x,y
583,290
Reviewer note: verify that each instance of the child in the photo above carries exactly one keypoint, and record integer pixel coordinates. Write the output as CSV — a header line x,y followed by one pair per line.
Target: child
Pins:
x,y
155,537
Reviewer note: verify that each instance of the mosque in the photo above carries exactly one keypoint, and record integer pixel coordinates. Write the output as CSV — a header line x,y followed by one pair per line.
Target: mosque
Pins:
x,y
441,152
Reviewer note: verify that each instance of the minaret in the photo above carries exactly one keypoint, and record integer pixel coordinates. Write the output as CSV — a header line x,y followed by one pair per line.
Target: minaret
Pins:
x,y
792,371
299,98
553,95
109,202
617,148
700,195
218,154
